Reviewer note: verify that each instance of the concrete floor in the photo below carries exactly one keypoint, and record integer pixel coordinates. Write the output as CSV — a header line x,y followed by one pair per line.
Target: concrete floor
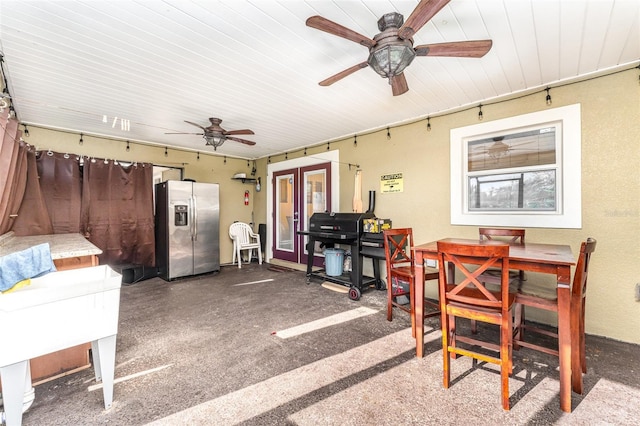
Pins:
x,y
258,346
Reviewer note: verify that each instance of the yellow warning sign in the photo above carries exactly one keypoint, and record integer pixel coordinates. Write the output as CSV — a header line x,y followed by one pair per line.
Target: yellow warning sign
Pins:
x,y
391,183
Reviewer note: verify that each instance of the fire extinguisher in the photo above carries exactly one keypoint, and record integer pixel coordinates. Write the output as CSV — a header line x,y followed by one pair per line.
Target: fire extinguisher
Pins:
x,y
246,198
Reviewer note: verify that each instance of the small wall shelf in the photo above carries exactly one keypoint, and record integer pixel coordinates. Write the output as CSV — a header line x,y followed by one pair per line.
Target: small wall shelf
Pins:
x,y
245,180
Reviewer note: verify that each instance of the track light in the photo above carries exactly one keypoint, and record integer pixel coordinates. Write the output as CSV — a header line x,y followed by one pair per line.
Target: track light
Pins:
x,y
548,99
480,115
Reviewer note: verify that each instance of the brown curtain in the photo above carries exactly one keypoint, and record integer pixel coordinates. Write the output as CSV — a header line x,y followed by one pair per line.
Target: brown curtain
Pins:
x,y
13,170
117,211
61,184
33,216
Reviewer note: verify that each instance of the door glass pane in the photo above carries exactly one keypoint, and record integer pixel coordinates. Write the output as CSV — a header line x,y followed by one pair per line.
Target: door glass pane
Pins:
x,y
315,196
284,211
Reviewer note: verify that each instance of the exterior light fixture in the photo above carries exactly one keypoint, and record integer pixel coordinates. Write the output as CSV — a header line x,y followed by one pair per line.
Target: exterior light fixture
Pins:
x,y
391,54
214,140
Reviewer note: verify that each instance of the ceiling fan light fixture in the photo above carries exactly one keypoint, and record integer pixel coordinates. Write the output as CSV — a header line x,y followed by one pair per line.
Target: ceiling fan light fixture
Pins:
x,y
498,150
215,140
391,54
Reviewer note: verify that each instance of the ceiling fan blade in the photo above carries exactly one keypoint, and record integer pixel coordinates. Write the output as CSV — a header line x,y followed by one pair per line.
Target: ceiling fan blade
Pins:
x,y
239,132
182,133
342,74
461,49
323,24
195,124
399,84
424,11
244,141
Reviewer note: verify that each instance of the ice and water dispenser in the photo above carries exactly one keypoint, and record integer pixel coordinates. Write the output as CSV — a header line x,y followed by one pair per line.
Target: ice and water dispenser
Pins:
x,y
181,214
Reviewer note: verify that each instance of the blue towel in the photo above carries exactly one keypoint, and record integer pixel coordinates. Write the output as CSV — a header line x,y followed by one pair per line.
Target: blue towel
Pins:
x,y
29,263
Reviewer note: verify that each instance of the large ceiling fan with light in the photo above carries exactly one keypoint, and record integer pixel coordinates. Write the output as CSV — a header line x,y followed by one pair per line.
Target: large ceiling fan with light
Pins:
x,y
391,51
216,135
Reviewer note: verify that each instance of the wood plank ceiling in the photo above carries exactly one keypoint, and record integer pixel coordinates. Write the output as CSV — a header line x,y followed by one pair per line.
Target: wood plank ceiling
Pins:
x,y
134,70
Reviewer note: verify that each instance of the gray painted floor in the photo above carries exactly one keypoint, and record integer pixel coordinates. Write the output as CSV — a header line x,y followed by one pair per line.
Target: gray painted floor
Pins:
x,y
224,349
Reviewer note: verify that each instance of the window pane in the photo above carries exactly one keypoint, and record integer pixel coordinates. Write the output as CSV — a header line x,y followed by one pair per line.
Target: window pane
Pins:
x,y
526,191
523,149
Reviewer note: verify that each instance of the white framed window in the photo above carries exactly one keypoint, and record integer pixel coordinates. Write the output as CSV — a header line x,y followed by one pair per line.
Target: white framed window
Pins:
x,y
521,171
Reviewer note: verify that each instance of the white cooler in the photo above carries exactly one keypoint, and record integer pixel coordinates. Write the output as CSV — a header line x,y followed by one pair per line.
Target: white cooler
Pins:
x,y
57,311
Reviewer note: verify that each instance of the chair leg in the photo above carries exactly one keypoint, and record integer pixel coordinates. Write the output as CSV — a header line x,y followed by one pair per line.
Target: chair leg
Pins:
x,y
452,334
412,309
389,300
518,325
259,256
505,360
583,353
239,258
446,360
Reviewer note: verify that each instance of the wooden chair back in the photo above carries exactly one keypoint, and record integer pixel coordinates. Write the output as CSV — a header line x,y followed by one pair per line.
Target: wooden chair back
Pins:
x,y
401,271
471,290
397,247
512,236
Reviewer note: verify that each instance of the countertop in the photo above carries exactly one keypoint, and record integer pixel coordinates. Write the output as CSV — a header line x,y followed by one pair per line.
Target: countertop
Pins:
x,y
61,245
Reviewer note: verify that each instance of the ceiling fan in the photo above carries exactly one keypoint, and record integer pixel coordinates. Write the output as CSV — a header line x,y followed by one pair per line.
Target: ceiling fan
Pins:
x,y
216,135
391,51
496,148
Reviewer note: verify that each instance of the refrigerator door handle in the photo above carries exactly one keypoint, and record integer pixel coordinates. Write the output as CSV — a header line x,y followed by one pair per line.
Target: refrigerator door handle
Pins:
x,y
194,222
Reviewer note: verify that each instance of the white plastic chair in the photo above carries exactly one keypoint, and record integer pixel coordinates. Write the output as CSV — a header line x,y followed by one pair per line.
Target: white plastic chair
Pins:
x,y
244,239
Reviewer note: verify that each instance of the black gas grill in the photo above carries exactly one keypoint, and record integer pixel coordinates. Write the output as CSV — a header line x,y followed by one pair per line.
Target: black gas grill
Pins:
x,y
347,229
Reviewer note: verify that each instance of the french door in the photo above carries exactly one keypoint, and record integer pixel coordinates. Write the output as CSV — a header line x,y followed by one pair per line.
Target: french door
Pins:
x,y
297,194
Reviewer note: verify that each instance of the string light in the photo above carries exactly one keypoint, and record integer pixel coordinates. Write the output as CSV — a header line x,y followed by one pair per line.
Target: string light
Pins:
x,y
548,99
166,153
225,159
328,146
388,133
128,148
286,155
480,116
269,159
428,124
26,131
80,142
355,140
305,151
198,157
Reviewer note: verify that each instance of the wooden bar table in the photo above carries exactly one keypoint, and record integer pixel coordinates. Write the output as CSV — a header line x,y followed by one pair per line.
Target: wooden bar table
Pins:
x,y
542,258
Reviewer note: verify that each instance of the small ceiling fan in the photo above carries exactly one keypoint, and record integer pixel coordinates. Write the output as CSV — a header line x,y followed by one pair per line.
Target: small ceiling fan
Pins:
x,y
496,148
216,135
391,51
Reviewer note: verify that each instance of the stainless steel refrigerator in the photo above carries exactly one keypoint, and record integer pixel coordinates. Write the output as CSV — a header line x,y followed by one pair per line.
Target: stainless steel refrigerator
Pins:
x,y
187,228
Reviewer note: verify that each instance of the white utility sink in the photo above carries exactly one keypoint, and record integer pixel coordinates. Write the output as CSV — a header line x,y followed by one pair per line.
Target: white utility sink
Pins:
x,y
57,311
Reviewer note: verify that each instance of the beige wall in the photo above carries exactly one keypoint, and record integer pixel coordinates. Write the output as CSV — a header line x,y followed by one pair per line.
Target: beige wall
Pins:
x,y
610,184
610,187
